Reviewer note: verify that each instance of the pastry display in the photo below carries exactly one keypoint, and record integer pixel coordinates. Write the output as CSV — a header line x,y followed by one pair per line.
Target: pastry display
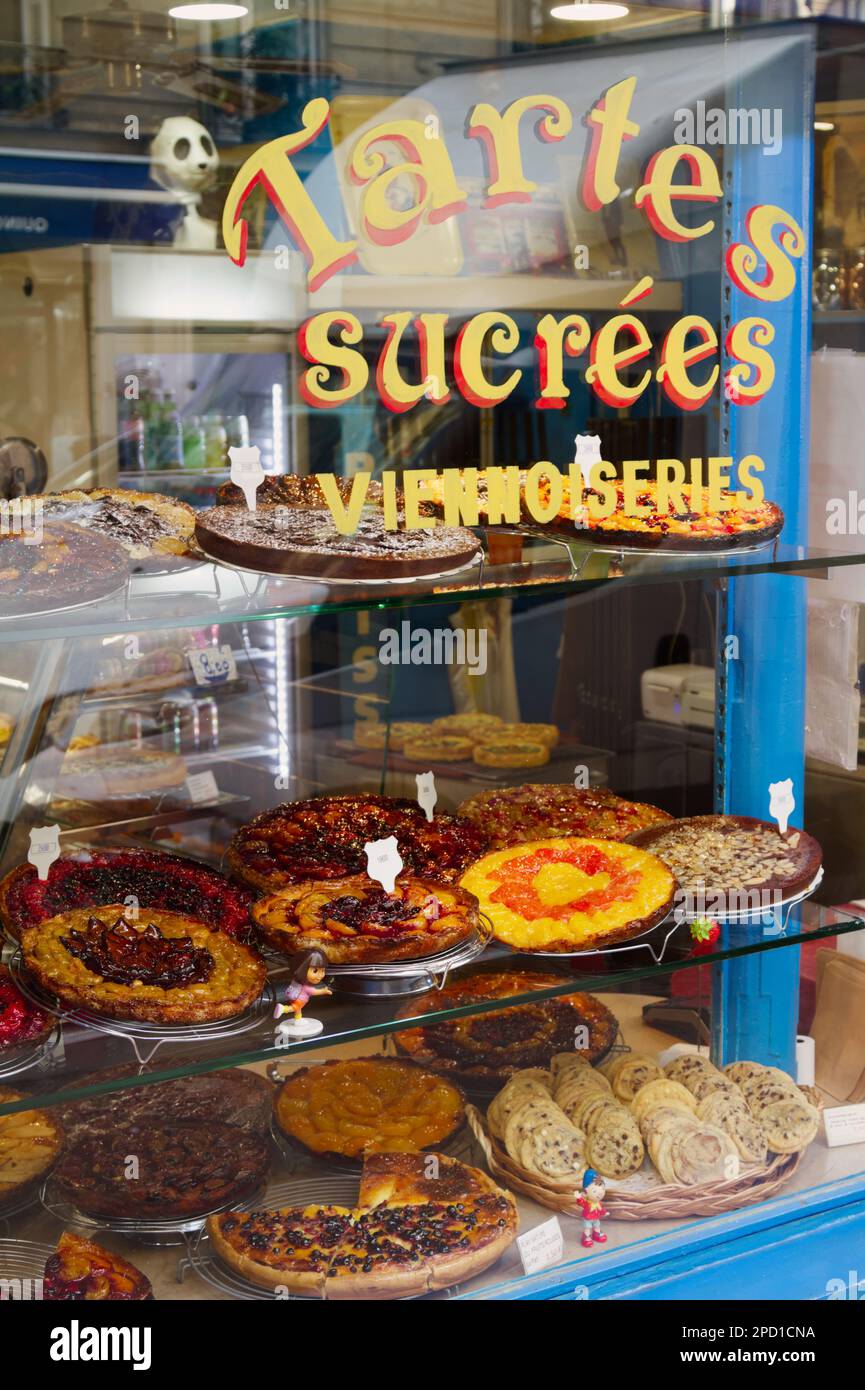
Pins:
x,y
471,726
96,878
354,920
153,529
296,490
30,1141
486,1049
59,568
158,968
306,542
346,1109
81,1271
438,748
509,751
181,1170
535,811
20,1020
377,735
235,1097
712,855
118,780
567,895
323,838
409,1233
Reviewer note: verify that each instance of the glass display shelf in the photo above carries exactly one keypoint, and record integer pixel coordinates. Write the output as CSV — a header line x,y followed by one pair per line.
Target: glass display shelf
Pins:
x,y
88,1051
204,592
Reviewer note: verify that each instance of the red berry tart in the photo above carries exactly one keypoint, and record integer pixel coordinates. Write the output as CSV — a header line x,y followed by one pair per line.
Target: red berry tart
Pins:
x,y
20,1021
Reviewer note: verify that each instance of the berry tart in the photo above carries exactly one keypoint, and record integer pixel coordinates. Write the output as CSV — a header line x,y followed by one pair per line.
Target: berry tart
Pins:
x,y
486,1050
92,879
81,1271
306,542
21,1021
323,839
63,566
408,1234
354,920
535,811
158,968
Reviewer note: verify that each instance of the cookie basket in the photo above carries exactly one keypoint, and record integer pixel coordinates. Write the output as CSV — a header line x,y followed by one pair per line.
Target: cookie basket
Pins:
x,y
660,1202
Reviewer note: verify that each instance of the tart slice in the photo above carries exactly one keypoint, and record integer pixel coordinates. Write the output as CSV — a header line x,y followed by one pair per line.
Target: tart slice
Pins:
x,y
288,1248
81,1270
354,919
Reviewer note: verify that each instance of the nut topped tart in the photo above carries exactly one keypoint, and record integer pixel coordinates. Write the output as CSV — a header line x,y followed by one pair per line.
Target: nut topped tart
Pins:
x,y
409,1233
323,838
570,895
183,1169
488,1049
363,1105
81,1271
152,529
60,567
30,1141
95,878
297,541
713,855
536,811
160,968
354,920
20,1020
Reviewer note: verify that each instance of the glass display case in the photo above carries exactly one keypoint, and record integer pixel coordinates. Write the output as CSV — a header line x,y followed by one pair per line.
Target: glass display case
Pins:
x,y
410,883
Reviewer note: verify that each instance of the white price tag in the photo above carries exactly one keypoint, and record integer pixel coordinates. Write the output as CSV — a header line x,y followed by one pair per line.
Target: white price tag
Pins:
x,y
542,1246
246,471
383,861
845,1124
212,665
427,796
44,848
782,803
201,787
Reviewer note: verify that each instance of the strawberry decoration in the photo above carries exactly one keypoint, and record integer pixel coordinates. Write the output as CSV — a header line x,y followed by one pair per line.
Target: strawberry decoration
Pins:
x,y
704,934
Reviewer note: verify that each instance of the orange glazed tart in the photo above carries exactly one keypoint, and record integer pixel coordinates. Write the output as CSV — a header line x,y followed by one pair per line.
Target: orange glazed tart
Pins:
x,y
80,1270
566,895
366,1105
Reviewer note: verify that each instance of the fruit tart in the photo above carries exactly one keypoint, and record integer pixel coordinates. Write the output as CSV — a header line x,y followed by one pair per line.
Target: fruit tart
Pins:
x,y
95,878
323,839
20,1020
81,1271
159,968
538,810
30,1141
354,920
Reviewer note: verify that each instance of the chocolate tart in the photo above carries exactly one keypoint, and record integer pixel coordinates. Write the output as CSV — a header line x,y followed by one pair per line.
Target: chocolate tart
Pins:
x,y
60,568
154,530
306,542
234,1096
182,1170
92,879
296,490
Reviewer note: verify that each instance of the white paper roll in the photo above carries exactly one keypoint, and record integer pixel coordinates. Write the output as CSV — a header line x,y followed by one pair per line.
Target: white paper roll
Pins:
x,y
805,1061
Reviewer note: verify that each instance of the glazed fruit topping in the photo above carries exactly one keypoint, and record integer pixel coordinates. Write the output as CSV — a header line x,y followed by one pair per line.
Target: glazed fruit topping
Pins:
x,y
124,953
20,1021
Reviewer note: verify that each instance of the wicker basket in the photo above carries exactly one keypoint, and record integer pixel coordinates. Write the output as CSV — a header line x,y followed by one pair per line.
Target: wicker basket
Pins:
x,y
661,1203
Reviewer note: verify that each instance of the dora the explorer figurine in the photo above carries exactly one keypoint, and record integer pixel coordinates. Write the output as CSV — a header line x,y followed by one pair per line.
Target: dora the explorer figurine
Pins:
x,y
591,1203
308,971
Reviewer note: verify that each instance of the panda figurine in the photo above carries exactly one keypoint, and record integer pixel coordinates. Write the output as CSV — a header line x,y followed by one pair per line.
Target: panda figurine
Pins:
x,y
184,160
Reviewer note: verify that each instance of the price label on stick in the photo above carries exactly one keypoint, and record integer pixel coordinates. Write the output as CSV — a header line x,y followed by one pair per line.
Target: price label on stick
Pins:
x,y
212,665
246,471
383,861
782,803
44,848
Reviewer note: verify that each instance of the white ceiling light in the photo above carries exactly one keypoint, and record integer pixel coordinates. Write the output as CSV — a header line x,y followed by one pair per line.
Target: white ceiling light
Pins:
x,y
204,10
589,10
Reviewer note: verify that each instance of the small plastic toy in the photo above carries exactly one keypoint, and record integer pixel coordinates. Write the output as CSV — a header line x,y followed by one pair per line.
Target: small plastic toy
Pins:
x,y
308,971
590,1201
